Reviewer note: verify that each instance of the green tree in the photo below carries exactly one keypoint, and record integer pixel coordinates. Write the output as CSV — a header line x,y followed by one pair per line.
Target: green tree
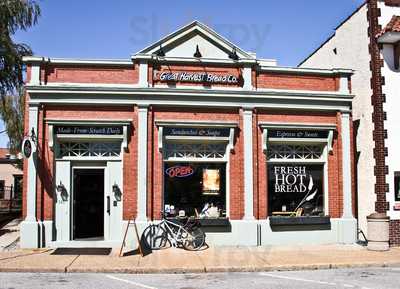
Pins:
x,y
14,15
12,111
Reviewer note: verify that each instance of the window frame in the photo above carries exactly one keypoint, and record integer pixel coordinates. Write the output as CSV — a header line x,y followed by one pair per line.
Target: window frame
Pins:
x,y
327,144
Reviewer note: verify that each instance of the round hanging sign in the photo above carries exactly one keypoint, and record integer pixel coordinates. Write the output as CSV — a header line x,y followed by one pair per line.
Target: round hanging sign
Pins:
x,y
27,148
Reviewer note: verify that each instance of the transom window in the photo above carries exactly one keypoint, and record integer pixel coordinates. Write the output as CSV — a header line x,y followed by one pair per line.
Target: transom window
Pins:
x,y
295,152
90,149
194,150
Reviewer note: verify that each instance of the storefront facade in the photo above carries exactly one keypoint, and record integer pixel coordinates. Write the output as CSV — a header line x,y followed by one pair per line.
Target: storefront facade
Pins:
x,y
191,125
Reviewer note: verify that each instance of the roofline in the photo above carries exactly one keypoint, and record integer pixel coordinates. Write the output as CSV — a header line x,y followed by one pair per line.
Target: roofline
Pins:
x,y
78,61
307,71
333,35
188,26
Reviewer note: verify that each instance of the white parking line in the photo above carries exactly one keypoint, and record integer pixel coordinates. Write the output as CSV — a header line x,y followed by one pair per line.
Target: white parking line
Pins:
x,y
298,279
130,282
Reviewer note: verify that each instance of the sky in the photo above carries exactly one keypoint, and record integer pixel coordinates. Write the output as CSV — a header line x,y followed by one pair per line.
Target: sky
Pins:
x,y
284,30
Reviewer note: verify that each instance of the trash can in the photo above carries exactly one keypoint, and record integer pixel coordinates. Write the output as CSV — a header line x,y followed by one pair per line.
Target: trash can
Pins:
x,y
378,232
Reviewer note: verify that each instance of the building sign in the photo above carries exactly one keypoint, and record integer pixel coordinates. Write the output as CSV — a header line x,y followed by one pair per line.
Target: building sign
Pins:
x,y
90,130
291,187
27,148
191,131
179,171
298,133
196,77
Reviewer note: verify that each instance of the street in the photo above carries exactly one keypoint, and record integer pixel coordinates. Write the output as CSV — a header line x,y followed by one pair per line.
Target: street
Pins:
x,y
363,278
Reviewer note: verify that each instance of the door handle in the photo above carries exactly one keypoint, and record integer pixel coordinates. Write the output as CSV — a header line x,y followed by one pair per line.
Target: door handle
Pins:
x,y
108,205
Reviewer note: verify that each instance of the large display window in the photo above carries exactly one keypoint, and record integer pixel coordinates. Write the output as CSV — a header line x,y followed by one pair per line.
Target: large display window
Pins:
x,y
195,189
296,189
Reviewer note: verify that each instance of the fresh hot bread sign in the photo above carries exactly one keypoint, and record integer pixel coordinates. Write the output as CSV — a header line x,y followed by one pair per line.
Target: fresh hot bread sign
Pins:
x,y
196,77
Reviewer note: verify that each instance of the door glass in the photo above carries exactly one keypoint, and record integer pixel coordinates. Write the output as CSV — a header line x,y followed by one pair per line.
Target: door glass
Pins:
x,y
88,203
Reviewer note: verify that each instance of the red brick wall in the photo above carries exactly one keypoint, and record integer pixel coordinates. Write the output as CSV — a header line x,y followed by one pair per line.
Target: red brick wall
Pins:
x,y
300,82
334,158
218,70
394,234
90,74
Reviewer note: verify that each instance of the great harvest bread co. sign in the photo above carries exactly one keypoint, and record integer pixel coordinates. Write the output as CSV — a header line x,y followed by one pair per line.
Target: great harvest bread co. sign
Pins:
x,y
198,77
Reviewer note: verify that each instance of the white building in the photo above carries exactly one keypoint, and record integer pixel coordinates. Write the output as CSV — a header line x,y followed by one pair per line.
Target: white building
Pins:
x,y
368,41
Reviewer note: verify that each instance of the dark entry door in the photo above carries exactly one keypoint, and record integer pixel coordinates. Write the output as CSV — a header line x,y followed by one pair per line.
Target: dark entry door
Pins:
x,y
88,203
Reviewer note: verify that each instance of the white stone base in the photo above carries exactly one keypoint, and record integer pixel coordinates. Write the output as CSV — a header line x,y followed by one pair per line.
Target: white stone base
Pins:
x,y
46,233
30,238
240,233
347,231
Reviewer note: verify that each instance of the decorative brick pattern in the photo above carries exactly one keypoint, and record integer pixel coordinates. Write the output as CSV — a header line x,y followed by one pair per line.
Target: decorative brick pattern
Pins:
x,y
378,117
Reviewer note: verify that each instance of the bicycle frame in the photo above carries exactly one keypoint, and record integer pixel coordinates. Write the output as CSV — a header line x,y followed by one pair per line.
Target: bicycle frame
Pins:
x,y
175,237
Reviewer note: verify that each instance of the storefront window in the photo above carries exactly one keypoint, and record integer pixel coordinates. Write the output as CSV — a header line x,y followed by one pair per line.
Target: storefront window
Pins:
x,y
397,186
195,189
295,189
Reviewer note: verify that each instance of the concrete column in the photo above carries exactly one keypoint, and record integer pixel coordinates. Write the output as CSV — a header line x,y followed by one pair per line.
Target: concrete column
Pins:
x,y
30,226
344,84
143,74
142,164
248,163
346,169
35,74
247,78
348,232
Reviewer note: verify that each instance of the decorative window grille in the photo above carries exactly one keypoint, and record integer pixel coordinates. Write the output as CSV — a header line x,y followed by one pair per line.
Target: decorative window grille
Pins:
x,y
295,152
90,149
194,151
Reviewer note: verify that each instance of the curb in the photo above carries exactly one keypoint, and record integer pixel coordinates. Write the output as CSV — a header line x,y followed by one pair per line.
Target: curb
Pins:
x,y
139,270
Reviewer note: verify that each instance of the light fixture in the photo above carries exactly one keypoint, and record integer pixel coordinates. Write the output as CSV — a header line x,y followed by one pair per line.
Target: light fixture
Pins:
x,y
60,187
33,135
117,192
197,54
160,52
233,55
62,191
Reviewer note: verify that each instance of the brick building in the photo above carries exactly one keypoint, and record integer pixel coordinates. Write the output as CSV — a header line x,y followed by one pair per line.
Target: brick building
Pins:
x,y
369,42
191,125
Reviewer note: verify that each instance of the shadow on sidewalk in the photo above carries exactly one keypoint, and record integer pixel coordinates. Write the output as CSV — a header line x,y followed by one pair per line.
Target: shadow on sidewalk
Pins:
x,y
82,251
25,255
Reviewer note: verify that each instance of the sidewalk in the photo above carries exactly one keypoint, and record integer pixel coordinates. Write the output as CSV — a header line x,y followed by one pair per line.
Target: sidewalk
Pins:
x,y
217,259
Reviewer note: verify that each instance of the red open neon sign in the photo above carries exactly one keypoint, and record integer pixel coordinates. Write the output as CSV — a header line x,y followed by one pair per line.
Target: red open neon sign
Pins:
x,y
179,171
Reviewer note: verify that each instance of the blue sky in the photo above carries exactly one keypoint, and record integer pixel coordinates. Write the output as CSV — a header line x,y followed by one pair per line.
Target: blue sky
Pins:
x,y
284,30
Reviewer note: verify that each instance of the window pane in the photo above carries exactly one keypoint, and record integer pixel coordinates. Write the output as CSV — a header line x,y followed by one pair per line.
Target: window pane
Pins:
x,y
292,187
193,186
397,186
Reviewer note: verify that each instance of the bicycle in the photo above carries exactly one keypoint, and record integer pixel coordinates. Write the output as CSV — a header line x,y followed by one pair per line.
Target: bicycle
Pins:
x,y
169,233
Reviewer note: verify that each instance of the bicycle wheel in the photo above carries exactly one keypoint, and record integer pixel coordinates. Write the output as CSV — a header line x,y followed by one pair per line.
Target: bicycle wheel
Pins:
x,y
194,240
155,237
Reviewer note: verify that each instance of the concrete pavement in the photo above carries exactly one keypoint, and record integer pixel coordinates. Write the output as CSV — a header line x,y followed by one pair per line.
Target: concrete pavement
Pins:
x,y
350,278
215,259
